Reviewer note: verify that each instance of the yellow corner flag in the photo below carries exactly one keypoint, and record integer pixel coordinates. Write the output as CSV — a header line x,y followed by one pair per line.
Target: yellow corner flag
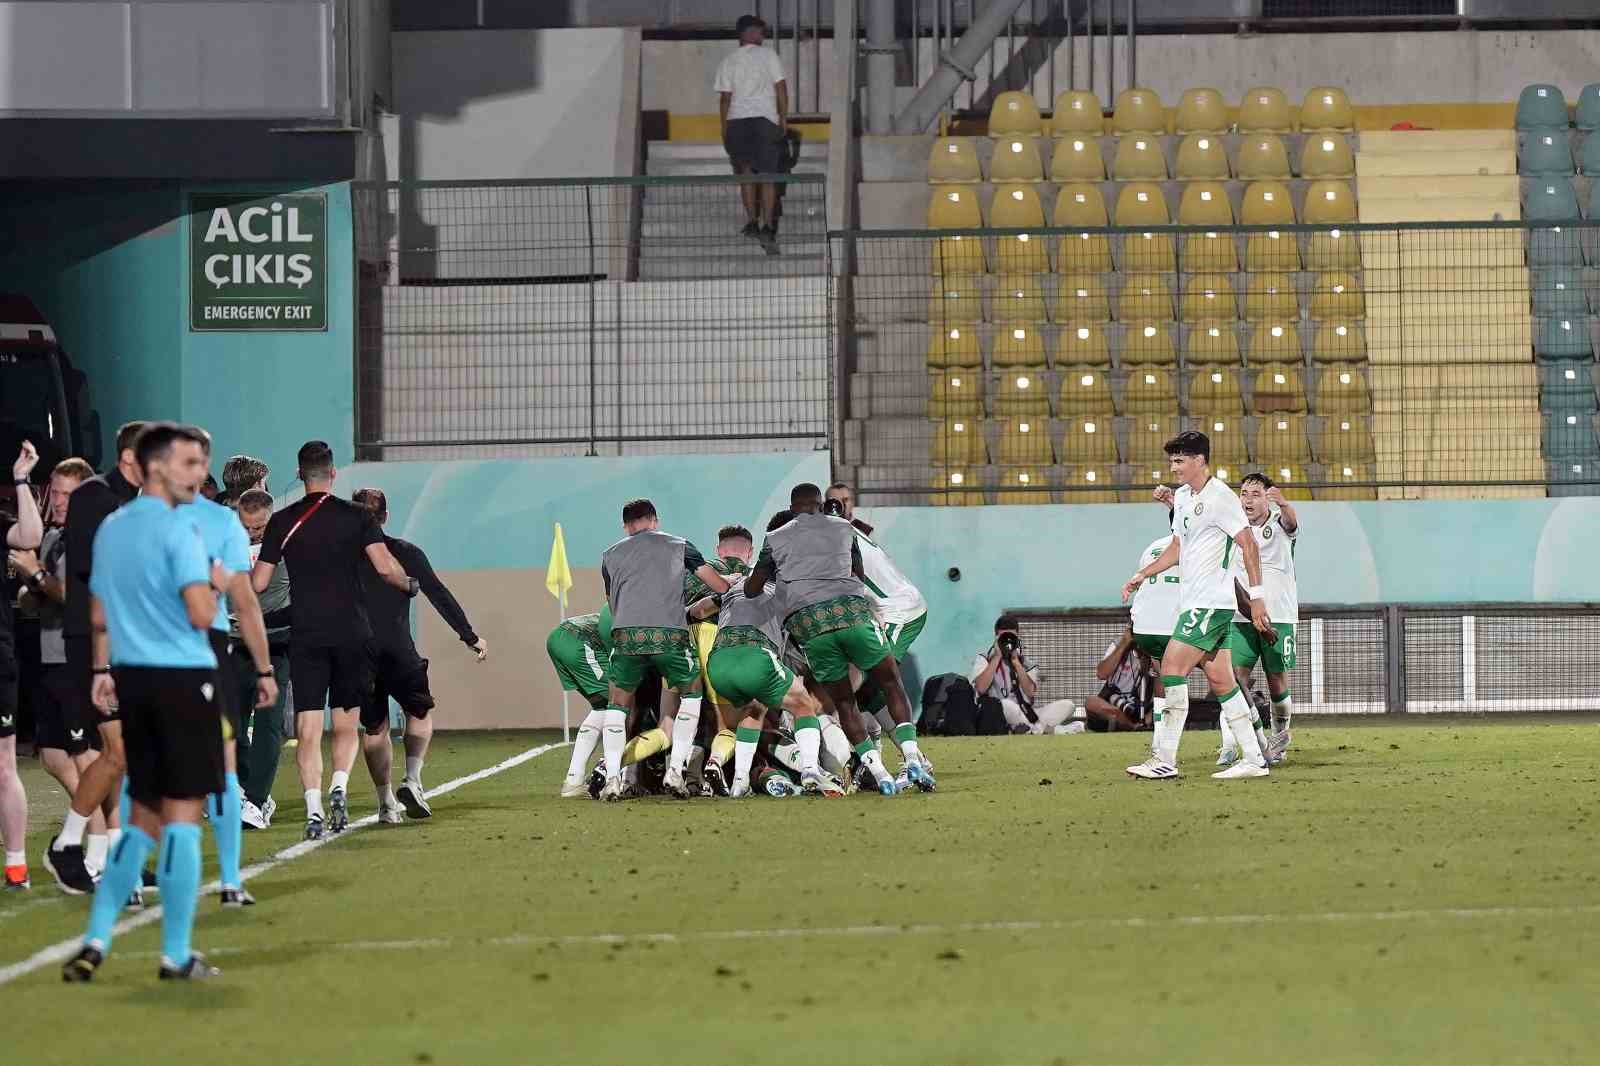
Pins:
x,y
558,575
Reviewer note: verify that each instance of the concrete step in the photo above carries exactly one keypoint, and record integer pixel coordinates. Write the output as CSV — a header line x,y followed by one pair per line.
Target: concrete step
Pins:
x,y
1440,209
1446,187
1427,165
1389,142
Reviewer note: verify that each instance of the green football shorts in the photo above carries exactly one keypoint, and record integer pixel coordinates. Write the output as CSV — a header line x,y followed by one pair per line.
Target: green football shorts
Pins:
x,y
749,673
1206,628
1248,648
634,650
580,668
832,654
901,635
1152,644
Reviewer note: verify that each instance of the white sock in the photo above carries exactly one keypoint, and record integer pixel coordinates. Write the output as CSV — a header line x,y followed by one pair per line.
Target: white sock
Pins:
x,y
744,755
414,769
340,782
72,827
874,762
614,737
583,746
1176,714
313,803
1228,743
386,796
1158,711
685,727
95,851
835,746
112,836
1236,711
909,750
809,741
883,724
16,858
1282,711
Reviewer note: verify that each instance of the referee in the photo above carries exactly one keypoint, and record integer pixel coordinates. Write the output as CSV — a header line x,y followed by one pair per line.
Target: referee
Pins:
x,y
151,604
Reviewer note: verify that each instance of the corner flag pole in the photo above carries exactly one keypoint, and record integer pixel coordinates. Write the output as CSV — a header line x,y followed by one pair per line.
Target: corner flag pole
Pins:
x,y
558,580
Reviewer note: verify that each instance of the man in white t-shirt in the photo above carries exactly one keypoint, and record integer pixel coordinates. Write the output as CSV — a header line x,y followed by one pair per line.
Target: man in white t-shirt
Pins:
x,y
754,101
1208,526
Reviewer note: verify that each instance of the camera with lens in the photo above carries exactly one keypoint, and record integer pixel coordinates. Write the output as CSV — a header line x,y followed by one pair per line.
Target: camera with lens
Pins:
x,y
833,506
1009,643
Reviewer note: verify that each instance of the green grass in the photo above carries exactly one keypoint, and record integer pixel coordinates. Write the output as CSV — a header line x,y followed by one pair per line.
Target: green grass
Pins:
x,y
1423,893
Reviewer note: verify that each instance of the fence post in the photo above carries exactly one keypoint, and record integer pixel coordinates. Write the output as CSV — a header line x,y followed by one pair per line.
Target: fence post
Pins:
x,y
588,216
1395,658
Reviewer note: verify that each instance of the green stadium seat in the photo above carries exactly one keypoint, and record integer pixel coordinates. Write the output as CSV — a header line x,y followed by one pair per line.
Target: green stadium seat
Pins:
x,y
1564,338
1589,107
1589,156
1550,200
1541,107
1571,435
1558,291
1573,477
1554,246
1545,153
1567,387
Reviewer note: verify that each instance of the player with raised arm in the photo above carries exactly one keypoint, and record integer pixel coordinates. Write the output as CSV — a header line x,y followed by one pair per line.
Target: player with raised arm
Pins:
x,y
24,533
1208,525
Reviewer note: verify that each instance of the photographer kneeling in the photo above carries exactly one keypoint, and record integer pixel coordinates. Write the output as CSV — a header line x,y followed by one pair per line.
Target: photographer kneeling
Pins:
x,y
1004,674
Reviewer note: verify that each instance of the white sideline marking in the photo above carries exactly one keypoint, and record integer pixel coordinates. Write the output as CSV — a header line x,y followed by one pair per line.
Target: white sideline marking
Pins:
x,y
67,948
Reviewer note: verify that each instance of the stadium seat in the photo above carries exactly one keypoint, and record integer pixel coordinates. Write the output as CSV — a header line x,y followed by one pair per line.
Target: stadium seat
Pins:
x,y
1326,108
1279,389
1270,297
1541,107
1202,111
1328,203
1082,206
1080,484
1589,163
1262,155
1344,483
1214,390
1228,450
1554,245
1023,440
1146,476
1571,436
1550,200
1588,107
1138,111
1564,338
1212,344
1275,342
957,441
1342,390
1078,112
1202,157
1016,159
1344,440
1337,295
1573,477
956,208
1265,110
1085,390
955,488
956,392
1272,251
1143,204
1021,486
1290,477
1148,344
953,161
1021,392
1281,438
1148,435
956,301
1208,298
956,346
1149,391
1019,298
1014,113
1267,203
1082,344
1206,204
1017,345
1089,441
1566,387
1017,207
1338,342
1545,154
1326,155
1145,298
1076,158
1082,298
1139,158
1331,203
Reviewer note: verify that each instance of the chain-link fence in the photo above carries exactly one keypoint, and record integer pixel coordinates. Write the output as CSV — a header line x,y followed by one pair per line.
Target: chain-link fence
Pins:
x,y
603,316
1349,361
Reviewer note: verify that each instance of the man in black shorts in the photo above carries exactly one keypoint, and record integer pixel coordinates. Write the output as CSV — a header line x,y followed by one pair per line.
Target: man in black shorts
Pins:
x,y
326,541
398,671
25,532
754,101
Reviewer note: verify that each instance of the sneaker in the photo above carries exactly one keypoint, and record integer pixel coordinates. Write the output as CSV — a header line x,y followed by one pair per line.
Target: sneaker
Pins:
x,y
715,780
675,785
780,787
314,827
888,787
751,230
250,816
576,789
1227,757
816,784
338,811
1153,769
67,867
81,968
769,240
268,809
1277,746
135,900
612,792
740,788
1241,769
237,897
390,815
921,776
413,799
16,879
196,969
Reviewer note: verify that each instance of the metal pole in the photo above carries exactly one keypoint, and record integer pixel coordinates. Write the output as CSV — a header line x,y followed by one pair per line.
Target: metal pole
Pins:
x,y
936,39
588,215
1072,49
1088,38
566,718
1111,50
954,66
880,66
1133,43
816,55
1011,53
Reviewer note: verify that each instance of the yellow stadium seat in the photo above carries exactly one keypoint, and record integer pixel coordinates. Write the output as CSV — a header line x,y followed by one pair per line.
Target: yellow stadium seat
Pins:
x,y
957,441
1290,477
1275,342
1326,108
1212,344
1084,391
1089,441
1016,158
1020,486
1335,249
1273,251
957,301
955,488
953,347
1267,203
1262,155
1265,110
1148,252
1082,298
1337,295
1208,298
1023,440
1147,437
1017,345
1138,111
1019,298
1081,484
1338,342
1202,111
1079,205
1148,344
1021,392
1202,157
1082,206
1269,297
1342,390
1014,112
951,207
953,161
1143,204
1206,204
1139,158
1214,390
1331,203
1326,155
1344,479
1228,451
1082,344
1017,207
1149,391
955,392
1279,389
1078,112
1145,298
1076,158
1282,438
1146,476
1345,439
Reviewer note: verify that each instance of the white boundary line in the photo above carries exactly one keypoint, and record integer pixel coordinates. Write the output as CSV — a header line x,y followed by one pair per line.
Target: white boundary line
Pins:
x,y
67,948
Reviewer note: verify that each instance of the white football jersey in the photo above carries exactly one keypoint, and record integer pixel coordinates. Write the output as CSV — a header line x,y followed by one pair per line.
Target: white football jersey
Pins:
x,y
1278,587
895,600
1205,524
1155,603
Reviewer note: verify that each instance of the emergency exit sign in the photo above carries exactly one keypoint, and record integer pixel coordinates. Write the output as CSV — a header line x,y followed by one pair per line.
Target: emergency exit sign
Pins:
x,y
258,263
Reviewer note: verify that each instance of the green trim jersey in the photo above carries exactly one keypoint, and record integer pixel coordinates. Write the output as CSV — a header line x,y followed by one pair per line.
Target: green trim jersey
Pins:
x,y
695,590
1205,524
593,629
1278,584
1155,603
895,599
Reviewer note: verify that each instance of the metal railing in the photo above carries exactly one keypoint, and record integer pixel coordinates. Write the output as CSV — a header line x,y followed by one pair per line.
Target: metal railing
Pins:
x,y
596,316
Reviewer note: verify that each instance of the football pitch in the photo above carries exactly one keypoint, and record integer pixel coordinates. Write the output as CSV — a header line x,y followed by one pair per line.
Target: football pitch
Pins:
x,y
1417,892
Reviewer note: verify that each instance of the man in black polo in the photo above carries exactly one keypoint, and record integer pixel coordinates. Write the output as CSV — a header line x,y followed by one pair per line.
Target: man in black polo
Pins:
x,y
24,533
326,542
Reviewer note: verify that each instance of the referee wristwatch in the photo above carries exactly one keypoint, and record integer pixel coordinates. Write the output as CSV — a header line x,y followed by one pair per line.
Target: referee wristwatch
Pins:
x,y
268,672
36,579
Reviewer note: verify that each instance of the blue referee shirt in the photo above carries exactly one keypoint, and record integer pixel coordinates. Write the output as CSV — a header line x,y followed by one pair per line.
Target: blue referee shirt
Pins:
x,y
223,539
145,555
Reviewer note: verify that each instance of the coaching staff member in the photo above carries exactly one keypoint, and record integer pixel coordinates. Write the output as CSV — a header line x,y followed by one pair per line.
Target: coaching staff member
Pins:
x,y
754,101
326,541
